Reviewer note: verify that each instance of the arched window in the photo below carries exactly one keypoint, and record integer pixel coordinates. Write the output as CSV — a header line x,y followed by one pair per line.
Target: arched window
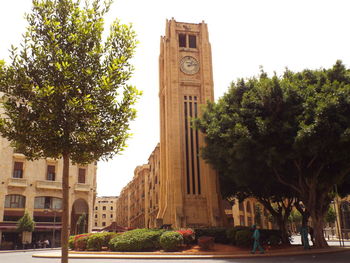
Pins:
x,y
249,209
47,202
345,211
241,206
15,201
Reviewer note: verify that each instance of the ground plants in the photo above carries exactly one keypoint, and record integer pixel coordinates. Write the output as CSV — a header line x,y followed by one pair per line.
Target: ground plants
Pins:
x,y
171,240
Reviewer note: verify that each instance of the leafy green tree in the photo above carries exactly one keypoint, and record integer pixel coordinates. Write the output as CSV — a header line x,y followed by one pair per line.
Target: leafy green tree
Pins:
x,y
331,215
296,127
81,224
25,223
66,91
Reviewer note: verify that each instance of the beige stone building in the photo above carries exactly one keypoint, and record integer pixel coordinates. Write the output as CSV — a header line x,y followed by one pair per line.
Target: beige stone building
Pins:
x,y
138,203
36,187
246,213
104,212
179,188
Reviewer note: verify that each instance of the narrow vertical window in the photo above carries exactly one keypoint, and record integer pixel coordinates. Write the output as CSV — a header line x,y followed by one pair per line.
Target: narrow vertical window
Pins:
x,y
18,170
51,173
182,40
81,175
197,149
192,41
192,151
186,145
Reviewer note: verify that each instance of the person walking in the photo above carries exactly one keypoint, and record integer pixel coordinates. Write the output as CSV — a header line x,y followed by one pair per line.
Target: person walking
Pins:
x,y
304,237
256,238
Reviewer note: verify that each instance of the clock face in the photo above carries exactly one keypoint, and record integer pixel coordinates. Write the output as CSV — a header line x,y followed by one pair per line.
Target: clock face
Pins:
x,y
189,65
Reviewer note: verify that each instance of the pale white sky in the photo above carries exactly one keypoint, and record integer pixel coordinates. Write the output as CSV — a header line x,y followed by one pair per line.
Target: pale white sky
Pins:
x,y
244,34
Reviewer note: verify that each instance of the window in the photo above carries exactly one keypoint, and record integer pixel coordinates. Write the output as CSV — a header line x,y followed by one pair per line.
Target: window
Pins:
x,y
103,208
182,40
250,221
103,223
96,216
111,215
51,174
249,210
47,202
81,175
192,41
111,207
15,201
96,207
18,170
241,220
95,223
103,215
241,206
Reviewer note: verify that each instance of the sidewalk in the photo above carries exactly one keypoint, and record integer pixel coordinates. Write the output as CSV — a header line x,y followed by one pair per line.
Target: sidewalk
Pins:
x,y
297,250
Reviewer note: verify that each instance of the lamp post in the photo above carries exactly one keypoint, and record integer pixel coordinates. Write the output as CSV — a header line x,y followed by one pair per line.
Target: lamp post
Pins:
x,y
54,210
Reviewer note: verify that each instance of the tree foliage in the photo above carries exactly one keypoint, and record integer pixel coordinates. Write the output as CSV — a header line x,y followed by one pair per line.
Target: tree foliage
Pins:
x,y
66,91
25,223
291,130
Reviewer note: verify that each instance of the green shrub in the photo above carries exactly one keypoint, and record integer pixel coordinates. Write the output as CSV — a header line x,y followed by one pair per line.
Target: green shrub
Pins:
x,y
231,233
137,240
244,238
274,240
188,235
71,242
97,241
206,242
80,241
218,233
265,235
171,240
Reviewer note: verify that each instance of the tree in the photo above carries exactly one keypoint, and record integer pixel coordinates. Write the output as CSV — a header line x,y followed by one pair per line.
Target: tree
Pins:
x,y
25,223
81,223
66,92
296,126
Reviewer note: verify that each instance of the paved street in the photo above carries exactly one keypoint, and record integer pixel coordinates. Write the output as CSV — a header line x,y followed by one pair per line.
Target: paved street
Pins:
x,y
26,257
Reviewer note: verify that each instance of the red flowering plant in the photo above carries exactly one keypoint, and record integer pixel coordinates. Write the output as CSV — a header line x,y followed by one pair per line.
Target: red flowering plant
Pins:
x,y
188,235
80,241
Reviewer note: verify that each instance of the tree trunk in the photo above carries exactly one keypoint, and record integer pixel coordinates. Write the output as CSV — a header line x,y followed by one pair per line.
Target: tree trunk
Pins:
x,y
317,222
65,212
283,227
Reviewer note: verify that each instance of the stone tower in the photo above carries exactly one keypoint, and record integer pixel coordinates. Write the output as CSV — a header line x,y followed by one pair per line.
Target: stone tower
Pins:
x,y
189,194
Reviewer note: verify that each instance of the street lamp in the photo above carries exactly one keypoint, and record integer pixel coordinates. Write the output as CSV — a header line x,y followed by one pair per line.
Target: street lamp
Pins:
x,y
54,210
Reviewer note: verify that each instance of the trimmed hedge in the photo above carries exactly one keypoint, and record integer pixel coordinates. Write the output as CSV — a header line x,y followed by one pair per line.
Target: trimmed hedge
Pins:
x,y
137,240
171,240
96,241
218,233
244,238
231,233
188,235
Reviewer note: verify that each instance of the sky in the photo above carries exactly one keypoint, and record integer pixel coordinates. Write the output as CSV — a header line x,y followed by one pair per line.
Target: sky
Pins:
x,y
244,35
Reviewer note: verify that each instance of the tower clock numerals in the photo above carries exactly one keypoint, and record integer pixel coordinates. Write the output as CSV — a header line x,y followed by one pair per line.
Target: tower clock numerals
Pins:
x,y
189,65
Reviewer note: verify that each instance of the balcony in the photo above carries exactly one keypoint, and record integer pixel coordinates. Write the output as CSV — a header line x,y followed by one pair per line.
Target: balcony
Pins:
x,y
53,185
82,187
17,182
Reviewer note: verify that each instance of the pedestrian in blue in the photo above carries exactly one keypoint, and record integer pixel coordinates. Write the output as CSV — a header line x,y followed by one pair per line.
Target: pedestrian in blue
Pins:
x,y
304,236
256,238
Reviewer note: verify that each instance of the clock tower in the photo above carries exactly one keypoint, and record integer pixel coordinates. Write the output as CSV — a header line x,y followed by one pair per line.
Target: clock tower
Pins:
x,y
189,192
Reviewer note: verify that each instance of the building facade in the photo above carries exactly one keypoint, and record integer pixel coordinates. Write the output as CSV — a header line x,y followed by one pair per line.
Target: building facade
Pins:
x,y
189,193
177,187
36,187
138,203
104,212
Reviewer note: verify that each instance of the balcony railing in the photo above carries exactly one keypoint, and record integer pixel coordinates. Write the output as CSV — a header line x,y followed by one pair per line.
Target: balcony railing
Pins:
x,y
17,182
54,185
82,187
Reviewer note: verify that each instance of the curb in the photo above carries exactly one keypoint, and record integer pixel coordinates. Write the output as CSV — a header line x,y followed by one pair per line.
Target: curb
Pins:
x,y
204,255
28,250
